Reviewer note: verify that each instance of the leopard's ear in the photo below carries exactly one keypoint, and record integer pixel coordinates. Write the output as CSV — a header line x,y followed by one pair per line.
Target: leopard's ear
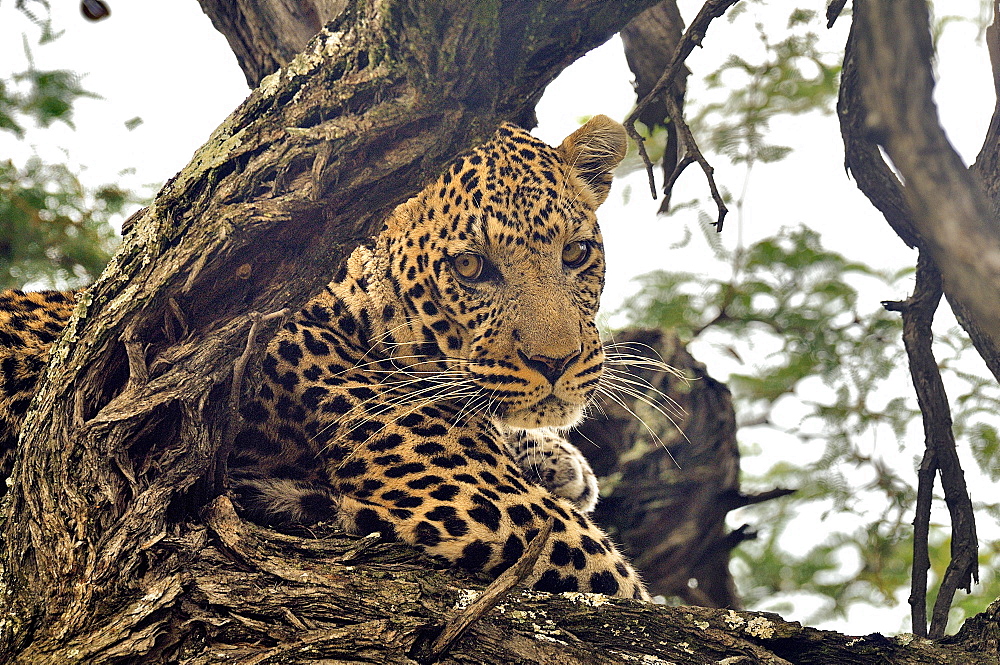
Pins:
x,y
594,151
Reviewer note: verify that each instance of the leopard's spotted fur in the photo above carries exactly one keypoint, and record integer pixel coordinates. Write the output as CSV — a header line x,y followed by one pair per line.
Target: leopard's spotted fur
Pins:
x,y
420,395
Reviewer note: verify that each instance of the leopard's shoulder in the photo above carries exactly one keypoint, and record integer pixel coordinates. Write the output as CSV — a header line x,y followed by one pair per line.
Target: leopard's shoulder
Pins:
x,y
30,321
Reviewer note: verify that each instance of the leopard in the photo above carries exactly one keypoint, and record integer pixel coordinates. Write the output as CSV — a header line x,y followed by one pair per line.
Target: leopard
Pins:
x,y
425,393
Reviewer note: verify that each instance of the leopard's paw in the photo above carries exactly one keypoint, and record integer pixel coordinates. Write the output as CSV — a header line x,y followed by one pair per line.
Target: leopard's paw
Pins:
x,y
548,459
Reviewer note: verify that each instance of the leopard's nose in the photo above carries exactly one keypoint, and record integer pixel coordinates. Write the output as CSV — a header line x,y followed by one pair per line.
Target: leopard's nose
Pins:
x,y
550,368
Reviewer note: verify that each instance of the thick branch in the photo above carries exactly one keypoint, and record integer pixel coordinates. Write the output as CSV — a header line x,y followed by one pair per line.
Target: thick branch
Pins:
x,y
877,181
264,597
949,209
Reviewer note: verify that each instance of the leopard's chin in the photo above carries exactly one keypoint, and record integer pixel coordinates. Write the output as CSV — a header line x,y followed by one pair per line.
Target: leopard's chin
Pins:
x,y
549,412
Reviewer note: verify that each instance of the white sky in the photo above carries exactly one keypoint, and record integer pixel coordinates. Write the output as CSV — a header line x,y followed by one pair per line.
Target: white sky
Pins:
x,y
163,62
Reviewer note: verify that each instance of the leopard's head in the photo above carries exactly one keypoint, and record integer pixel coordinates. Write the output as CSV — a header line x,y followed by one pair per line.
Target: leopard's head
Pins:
x,y
499,268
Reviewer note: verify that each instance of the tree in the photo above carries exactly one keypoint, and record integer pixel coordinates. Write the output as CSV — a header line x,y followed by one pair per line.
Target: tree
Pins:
x,y
106,556
55,231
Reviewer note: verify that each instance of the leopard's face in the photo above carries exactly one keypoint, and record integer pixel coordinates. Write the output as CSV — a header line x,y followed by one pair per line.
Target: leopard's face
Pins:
x,y
500,265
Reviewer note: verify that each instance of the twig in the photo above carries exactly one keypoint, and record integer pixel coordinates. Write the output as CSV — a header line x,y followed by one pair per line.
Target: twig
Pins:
x,y
296,622
239,369
490,597
693,36
963,569
833,11
692,154
742,500
921,536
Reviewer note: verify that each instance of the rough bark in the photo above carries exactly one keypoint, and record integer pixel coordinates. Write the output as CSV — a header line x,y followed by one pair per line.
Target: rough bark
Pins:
x,y
297,599
250,595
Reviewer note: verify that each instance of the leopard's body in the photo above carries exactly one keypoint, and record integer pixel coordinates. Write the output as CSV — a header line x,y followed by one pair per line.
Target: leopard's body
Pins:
x,y
421,394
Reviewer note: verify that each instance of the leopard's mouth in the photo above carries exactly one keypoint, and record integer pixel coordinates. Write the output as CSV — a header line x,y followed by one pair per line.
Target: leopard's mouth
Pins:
x,y
549,411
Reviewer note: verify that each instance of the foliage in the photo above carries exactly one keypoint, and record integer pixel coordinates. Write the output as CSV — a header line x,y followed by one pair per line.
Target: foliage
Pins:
x,y
794,76
54,230
794,307
820,379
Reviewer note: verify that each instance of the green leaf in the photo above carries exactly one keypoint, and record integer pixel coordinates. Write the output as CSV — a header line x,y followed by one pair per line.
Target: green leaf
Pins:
x,y
986,449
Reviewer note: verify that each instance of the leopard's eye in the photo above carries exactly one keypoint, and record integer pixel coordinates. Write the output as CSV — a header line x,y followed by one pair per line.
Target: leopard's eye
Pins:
x,y
469,266
576,254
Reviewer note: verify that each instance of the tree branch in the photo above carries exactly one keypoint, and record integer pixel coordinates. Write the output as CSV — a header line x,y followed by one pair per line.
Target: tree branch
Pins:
x,y
887,59
693,36
650,40
987,165
940,454
362,600
877,181
949,210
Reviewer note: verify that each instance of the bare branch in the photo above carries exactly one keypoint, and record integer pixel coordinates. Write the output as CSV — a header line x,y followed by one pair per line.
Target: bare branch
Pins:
x,y
894,74
918,314
490,596
650,40
949,209
693,36
833,11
